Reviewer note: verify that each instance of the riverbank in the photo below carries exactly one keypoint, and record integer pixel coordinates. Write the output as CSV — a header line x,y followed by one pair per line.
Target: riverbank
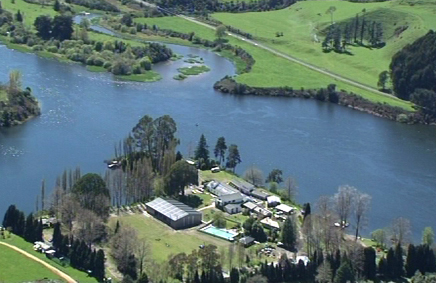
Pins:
x,y
328,94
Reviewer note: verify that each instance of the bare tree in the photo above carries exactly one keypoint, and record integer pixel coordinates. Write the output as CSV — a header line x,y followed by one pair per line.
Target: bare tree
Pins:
x,y
123,244
356,255
291,188
313,231
325,273
143,252
254,175
230,255
329,234
89,227
343,202
68,211
361,208
401,231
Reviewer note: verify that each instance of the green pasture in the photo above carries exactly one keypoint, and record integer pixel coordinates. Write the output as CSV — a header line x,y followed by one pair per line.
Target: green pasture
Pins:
x,y
29,11
13,263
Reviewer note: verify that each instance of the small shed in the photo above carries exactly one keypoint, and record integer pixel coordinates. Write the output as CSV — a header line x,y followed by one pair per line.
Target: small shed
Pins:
x,y
273,201
232,208
286,209
251,206
247,241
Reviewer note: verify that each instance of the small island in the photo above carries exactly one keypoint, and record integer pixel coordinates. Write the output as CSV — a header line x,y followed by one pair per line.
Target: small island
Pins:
x,y
191,71
16,105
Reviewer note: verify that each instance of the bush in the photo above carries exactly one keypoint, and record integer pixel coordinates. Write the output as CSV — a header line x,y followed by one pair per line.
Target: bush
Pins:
x,y
90,61
107,65
121,67
132,30
137,69
124,29
145,63
37,48
30,42
98,61
52,49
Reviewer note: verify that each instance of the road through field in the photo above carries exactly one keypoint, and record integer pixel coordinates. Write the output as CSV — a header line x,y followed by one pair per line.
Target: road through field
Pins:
x,y
278,53
63,275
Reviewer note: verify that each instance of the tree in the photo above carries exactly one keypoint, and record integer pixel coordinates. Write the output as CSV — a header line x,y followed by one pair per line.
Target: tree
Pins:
x,y
234,275
89,227
19,17
62,27
291,188
43,25
426,99
142,251
219,220
220,149
331,10
57,6
345,273
92,193
220,31
428,236
30,229
400,230
369,267
343,201
99,269
123,247
209,258
276,175
233,159
383,79
380,237
399,262
411,261
15,82
362,204
202,151
43,195
254,175
180,175
324,273
143,278
289,234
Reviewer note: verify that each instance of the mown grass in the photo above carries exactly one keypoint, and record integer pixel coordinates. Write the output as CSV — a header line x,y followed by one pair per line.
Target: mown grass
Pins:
x,y
29,11
301,21
221,176
165,241
28,247
149,76
269,69
194,70
12,264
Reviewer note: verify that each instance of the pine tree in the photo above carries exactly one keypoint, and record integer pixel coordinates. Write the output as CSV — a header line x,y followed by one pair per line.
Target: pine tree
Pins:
x,y
202,151
337,39
369,268
289,237
234,275
20,224
345,273
220,149
411,261
390,263
143,278
362,30
382,267
399,262
99,266
356,27
19,17
57,6
29,231
57,235
379,34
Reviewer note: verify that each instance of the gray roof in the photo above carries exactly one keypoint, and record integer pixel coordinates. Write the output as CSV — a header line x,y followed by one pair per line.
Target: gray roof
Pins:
x,y
232,205
250,205
242,185
230,197
259,193
221,189
246,240
171,208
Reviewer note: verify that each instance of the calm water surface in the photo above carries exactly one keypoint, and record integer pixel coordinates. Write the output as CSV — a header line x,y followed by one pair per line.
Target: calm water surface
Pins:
x,y
322,145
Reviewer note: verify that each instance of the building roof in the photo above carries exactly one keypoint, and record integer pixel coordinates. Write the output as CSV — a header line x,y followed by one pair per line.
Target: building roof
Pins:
x,y
250,205
259,194
269,222
232,205
246,240
262,211
171,208
285,208
273,199
242,185
232,196
221,189
303,258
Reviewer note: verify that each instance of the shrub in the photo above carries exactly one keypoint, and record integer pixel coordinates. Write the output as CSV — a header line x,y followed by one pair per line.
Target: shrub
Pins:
x,y
37,48
52,49
98,61
107,65
137,69
30,42
132,30
145,63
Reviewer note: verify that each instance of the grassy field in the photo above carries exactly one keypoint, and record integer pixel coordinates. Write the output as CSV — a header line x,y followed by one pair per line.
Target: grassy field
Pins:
x,y
194,70
12,264
149,76
165,241
270,70
28,247
303,20
221,176
29,11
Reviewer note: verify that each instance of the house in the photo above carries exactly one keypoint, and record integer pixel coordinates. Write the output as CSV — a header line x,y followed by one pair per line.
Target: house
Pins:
x,y
232,208
273,201
230,198
250,206
247,241
286,209
270,224
262,212
220,189
174,213
243,186
259,194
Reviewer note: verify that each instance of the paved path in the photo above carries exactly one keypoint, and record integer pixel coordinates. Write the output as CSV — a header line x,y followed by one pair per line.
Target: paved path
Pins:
x,y
206,207
280,54
63,275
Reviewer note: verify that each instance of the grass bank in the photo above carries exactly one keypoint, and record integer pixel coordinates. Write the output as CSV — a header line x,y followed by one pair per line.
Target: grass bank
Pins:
x,y
149,76
28,247
12,264
269,69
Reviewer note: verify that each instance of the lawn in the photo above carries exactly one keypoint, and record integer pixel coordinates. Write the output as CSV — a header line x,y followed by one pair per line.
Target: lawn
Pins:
x,y
303,20
207,199
29,11
165,241
269,69
12,264
194,70
28,247
149,76
222,176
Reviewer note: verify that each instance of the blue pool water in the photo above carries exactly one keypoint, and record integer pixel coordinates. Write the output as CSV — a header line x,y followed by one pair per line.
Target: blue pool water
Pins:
x,y
220,233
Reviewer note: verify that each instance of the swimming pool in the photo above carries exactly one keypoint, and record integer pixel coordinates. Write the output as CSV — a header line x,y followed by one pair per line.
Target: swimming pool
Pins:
x,y
221,233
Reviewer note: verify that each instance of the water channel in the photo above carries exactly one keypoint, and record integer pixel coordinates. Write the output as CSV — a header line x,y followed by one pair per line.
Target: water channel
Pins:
x,y
321,145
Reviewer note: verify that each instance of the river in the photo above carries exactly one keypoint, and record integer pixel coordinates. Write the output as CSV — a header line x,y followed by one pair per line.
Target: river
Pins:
x,y
321,145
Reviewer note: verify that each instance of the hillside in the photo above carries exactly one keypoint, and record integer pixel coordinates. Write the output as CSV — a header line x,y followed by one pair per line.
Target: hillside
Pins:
x,y
302,24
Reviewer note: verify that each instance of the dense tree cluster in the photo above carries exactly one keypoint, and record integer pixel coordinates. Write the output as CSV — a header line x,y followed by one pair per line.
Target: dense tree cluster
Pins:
x,y
19,105
30,228
413,73
205,6
61,27
80,254
252,227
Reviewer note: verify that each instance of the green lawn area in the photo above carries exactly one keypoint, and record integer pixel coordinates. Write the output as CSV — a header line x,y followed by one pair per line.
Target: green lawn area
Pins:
x,y
207,199
149,76
269,69
301,21
29,11
28,247
13,263
179,241
221,176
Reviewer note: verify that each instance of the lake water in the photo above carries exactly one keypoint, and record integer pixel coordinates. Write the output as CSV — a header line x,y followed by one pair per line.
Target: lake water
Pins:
x,y
321,145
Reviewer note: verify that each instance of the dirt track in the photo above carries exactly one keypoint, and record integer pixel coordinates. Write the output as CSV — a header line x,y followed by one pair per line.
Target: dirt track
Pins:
x,y
63,275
